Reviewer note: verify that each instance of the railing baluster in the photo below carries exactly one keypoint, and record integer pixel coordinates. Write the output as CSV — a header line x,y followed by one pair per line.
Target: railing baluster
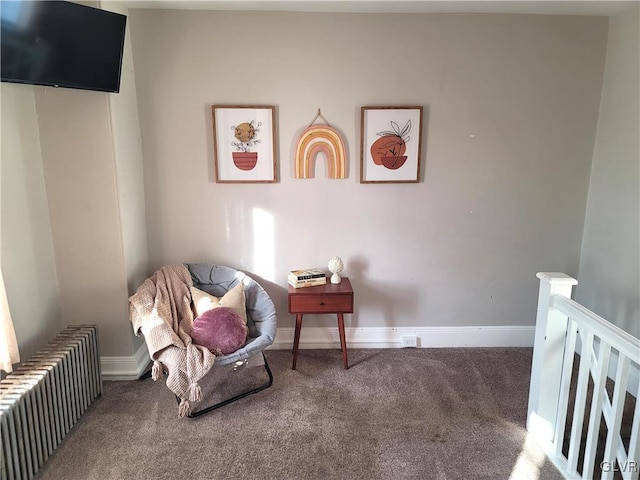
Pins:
x,y
581,398
565,387
617,406
633,458
607,409
595,417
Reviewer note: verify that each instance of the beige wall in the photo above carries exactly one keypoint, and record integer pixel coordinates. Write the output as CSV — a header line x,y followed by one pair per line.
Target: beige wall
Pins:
x,y
511,105
610,260
73,174
78,159
28,264
125,127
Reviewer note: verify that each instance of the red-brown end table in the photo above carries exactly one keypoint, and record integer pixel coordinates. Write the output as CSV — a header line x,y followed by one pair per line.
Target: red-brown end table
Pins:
x,y
329,298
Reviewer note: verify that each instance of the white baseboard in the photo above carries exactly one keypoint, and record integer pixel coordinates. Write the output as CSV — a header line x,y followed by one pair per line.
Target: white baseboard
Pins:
x,y
391,337
125,368
131,367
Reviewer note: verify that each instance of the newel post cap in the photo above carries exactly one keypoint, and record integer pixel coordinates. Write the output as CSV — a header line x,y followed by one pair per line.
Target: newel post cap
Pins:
x,y
556,278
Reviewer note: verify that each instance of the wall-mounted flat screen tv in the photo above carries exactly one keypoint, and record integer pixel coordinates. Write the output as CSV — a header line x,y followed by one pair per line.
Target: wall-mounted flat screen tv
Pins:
x,y
61,44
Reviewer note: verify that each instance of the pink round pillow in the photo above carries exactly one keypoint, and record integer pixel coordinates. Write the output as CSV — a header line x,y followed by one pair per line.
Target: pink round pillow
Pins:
x,y
221,330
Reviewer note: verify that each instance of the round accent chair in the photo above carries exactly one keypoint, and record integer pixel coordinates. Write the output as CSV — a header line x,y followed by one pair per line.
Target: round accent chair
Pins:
x,y
217,280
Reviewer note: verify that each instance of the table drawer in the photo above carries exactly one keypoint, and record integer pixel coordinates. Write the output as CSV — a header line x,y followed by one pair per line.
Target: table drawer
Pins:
x,y
301,303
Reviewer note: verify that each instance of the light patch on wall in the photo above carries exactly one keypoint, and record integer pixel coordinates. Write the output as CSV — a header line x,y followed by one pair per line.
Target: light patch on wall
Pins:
x,y
227,223
263,244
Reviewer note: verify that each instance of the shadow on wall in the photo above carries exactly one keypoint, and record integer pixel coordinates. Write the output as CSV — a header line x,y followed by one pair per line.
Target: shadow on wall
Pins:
x,y
395,303
610,298
278,294
616,308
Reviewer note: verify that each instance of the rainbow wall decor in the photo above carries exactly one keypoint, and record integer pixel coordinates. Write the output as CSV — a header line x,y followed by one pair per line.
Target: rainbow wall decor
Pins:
x,y
325,139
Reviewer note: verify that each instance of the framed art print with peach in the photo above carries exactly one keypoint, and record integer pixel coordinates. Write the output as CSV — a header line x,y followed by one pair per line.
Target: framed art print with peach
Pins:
x,y
391,139
244,144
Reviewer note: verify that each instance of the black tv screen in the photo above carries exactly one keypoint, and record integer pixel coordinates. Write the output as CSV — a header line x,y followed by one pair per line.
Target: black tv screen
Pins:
x,y
61,44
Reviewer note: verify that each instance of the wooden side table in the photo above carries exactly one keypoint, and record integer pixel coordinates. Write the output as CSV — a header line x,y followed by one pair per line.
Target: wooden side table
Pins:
x,y
329,298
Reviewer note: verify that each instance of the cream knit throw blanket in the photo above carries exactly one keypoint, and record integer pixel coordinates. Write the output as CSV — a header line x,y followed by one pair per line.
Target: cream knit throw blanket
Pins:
x,y
161,311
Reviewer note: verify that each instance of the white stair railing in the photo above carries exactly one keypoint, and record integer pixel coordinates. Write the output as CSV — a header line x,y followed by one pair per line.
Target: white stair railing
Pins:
x,y
605,351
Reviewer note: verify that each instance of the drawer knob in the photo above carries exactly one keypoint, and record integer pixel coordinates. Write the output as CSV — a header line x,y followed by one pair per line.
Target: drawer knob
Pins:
x,y
321,303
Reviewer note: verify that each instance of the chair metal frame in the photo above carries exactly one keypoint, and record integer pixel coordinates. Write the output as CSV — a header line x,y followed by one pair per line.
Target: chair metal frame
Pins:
x,y
236,397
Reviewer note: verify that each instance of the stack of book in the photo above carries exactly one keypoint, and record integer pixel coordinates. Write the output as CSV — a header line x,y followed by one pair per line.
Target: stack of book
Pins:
x,y
306,278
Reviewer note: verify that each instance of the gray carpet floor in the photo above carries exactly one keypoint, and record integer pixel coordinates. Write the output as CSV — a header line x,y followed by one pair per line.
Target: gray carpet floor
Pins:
x,y
395,414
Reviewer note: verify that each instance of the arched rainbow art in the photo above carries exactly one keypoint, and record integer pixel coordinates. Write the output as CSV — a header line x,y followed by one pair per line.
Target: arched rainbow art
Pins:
x,y
325,139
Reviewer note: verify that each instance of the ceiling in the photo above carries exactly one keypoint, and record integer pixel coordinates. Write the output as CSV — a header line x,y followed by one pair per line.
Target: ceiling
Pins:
x,y
544,7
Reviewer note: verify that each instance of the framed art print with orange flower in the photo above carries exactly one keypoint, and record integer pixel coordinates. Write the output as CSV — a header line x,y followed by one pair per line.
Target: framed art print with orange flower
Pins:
x,y
391,139
244,143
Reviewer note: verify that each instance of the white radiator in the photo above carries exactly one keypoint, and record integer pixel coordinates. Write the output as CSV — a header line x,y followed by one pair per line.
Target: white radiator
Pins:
x,y
44,398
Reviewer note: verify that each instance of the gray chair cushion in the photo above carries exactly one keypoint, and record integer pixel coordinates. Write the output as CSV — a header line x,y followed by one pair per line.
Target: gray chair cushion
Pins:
x,y
261,312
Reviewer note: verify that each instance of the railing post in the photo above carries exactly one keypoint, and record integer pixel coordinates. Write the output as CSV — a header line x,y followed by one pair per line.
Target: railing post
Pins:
x,y
548,355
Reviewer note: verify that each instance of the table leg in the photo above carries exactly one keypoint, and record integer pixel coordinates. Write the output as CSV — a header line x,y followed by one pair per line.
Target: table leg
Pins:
x,y
343,341
296,339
